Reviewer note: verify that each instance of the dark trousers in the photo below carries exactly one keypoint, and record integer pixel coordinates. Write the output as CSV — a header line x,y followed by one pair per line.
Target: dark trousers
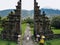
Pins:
x,y
41,44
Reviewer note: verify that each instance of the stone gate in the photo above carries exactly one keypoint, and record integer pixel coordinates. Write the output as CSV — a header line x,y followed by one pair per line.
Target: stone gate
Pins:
x,y
12,27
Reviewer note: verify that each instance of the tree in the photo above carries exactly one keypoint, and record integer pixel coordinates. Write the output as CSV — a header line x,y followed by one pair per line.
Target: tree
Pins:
x,y
0,17
55,22
28,20
8,43
0,21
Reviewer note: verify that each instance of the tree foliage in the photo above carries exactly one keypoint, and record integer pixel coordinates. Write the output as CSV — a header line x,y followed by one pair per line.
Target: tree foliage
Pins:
x,y
55,22
28,20
0,21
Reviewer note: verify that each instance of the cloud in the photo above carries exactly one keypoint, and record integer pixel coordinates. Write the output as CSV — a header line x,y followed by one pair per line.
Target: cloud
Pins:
x,y
29,4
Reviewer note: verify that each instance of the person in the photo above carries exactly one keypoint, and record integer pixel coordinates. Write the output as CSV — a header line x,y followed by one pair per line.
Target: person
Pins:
x,y
41,42
27,37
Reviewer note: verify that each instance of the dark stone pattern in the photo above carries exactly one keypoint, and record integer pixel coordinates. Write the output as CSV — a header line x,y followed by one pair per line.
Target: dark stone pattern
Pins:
x,y
56,35
41,23
12,25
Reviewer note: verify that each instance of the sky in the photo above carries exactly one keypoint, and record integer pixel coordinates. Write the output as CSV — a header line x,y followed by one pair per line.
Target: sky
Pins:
x,y
29,4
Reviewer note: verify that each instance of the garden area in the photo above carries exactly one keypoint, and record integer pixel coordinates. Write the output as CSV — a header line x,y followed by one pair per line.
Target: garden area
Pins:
x,y
56,30
23,27
5,42
53,42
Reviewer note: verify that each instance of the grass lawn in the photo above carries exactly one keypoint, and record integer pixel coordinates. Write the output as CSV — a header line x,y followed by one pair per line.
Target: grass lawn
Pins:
x,y
56,31
23,27
1,29
53,42
32,30
4,42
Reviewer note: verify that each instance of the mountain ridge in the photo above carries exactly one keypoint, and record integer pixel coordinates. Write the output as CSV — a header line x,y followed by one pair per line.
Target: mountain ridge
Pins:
x,y
30,13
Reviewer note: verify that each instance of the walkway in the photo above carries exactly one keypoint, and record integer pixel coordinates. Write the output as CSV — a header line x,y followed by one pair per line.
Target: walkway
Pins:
x,y
27,34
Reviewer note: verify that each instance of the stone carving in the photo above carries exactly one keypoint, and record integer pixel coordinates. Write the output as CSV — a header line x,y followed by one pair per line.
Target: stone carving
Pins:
x,y
12,25
41,23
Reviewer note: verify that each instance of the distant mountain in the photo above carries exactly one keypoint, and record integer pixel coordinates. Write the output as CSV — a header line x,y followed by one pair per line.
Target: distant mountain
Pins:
x,y
5,12
51,12
25,13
